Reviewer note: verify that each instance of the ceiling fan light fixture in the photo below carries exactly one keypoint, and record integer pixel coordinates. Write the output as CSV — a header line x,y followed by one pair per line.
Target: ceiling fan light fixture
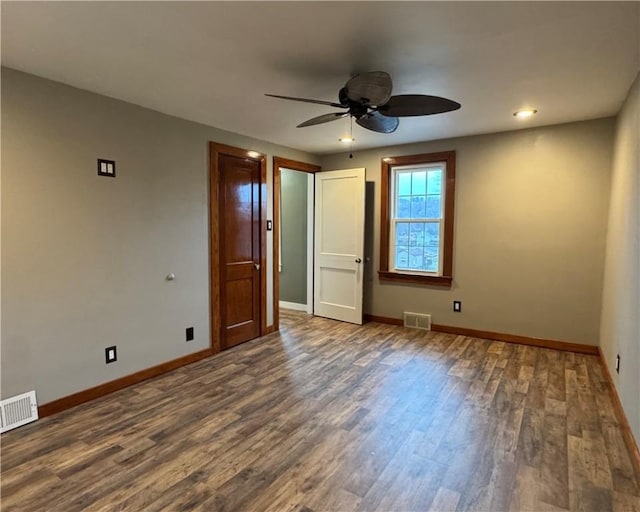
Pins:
x,y
367,99
524,113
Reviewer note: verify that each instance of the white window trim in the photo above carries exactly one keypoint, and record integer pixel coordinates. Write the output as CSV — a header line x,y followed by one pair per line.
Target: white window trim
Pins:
x,y
393,220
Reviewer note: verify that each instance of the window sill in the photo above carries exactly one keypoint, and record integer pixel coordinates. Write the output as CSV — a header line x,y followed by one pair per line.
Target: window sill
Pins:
x,y
385,275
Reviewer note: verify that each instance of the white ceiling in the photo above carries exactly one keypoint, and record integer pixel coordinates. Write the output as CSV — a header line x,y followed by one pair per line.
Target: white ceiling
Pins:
x,y
212,62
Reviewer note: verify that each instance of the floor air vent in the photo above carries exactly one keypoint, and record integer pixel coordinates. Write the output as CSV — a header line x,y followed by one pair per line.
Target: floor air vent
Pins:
x,y
18,410
417,321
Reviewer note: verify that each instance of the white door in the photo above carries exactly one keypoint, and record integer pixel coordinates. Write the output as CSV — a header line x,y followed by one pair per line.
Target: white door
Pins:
x,y
339,244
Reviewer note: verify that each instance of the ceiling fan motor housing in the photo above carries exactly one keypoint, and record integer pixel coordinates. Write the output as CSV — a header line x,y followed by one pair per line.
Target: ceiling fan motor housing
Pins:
x,y
343,98
357,110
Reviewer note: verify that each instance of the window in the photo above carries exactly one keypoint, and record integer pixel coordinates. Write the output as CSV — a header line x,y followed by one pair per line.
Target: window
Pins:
x,y
416,240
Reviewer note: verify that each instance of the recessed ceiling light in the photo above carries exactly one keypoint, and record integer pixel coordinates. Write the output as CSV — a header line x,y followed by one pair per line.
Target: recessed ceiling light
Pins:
x,y
525,113
346,140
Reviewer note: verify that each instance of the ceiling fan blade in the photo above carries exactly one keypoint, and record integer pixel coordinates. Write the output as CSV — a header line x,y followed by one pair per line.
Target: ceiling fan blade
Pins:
x,y
404,105
306,100
375,122
372,88
324,118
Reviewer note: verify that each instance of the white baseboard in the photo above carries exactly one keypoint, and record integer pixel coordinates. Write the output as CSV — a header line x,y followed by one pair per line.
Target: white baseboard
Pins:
x,y
293,305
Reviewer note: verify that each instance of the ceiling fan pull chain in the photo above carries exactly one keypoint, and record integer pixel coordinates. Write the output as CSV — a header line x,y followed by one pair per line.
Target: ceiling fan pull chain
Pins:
x,y
351,142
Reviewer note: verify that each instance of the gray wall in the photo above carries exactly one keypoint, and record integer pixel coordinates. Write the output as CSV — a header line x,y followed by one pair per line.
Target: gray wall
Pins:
x,y
620,327
293,226
530,228
84,258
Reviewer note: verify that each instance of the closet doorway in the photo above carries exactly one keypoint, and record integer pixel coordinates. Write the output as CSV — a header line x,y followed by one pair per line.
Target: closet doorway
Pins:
x,y
293,203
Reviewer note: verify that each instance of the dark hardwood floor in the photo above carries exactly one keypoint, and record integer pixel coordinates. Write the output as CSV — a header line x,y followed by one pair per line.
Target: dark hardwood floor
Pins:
x,y
331,416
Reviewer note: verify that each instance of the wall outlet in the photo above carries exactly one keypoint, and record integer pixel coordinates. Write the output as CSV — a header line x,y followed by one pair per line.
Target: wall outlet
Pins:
x,y
618,363
110,354
457,306
189,333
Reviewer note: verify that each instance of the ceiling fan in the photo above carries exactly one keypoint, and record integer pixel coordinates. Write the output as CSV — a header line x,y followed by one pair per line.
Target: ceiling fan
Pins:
x,y
367,98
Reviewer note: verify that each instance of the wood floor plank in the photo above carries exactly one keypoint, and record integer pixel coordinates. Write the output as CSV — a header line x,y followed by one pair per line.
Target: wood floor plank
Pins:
x,y
554,472
625,502
327,416
446,500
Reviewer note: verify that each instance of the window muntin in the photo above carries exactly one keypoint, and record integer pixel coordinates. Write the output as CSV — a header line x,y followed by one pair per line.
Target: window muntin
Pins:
x,y
417,218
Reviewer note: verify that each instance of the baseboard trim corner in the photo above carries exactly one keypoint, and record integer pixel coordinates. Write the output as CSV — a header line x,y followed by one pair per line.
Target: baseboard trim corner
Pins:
x,y
66,402
627,433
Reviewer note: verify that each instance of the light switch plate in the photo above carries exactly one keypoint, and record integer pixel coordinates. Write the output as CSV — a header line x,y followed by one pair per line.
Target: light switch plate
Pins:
x,y
110,354
106,168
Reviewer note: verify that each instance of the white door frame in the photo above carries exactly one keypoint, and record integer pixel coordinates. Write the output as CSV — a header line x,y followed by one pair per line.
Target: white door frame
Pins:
x,y
311,196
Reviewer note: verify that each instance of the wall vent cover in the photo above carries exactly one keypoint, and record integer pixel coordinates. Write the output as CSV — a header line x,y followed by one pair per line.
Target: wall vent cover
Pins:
x,y
417,320
18,410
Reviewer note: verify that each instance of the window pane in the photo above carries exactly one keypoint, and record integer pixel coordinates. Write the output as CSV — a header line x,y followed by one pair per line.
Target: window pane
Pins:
x,y
416,234
404,183
419,183
402,257
433,207
431,259
403,207
402,233
418,206
432,235
417,246
432,246
434,182
416,259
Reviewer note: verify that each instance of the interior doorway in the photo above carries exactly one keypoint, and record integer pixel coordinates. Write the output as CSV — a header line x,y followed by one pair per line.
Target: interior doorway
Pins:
x,y
293,201
296,240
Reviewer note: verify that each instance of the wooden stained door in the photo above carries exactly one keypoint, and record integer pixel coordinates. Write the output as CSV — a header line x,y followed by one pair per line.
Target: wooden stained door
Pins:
x,y
239,184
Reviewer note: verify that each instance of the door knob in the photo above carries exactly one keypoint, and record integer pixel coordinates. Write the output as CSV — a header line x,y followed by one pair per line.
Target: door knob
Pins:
x,y
256,266
358,260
